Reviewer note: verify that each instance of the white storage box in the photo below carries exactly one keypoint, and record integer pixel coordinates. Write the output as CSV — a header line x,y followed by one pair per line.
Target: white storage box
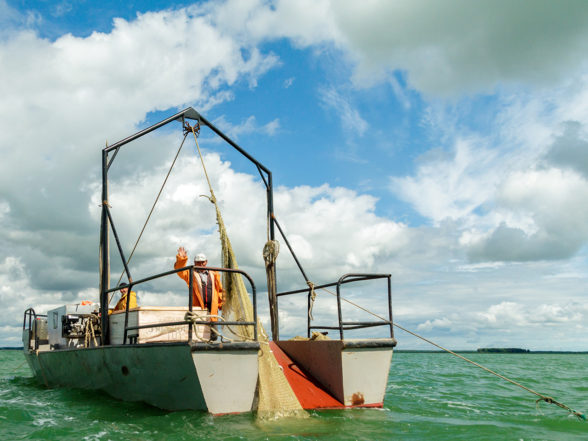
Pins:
x,y
147,315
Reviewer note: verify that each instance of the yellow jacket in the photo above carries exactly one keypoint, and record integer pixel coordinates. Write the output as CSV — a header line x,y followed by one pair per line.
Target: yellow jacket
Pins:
x,y
217,287
121,305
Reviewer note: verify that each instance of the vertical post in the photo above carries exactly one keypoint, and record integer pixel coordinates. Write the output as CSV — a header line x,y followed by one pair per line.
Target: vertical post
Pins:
x,y
272,287
104,253
339,313
254,295
390,305
190,303
270,204
35,326
308,315
128,303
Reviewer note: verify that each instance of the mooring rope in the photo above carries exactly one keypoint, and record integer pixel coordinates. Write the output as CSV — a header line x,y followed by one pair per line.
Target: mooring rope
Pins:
x,y
18,367
542,397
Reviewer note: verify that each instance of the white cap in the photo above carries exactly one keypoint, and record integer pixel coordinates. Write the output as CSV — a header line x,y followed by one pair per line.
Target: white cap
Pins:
x,y
200,258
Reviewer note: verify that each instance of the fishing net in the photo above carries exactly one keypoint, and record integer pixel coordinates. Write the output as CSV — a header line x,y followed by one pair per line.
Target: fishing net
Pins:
x,y
275,398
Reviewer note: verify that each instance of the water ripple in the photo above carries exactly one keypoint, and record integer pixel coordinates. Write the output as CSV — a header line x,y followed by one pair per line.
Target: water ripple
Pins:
x,y
428,396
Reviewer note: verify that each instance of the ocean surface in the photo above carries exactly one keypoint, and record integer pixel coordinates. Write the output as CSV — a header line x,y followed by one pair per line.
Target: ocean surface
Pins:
x,y
430,396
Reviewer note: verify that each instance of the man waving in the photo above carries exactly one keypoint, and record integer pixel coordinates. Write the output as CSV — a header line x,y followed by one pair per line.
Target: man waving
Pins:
x,y
207,288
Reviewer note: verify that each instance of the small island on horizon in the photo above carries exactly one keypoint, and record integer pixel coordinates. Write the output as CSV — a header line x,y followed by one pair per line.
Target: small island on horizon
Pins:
x,y
503,351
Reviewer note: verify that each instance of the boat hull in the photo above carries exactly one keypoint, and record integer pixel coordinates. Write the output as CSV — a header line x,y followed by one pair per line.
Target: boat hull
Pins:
x,y
215,378
354,372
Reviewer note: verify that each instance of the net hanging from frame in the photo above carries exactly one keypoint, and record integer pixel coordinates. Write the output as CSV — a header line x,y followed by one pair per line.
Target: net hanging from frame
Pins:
x,y
275,397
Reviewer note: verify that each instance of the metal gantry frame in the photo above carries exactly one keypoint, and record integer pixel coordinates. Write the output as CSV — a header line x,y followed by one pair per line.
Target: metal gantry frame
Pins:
x,y
108,155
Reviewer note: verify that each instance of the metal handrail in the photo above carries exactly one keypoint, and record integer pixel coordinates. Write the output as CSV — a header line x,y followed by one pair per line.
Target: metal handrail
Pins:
x,y
32,316
29,313
190,324
343,325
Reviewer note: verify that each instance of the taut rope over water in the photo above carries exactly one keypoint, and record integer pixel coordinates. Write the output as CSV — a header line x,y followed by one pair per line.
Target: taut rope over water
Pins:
x,y
542,397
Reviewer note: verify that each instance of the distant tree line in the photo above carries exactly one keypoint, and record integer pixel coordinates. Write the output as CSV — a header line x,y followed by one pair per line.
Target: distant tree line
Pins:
x,y
503,350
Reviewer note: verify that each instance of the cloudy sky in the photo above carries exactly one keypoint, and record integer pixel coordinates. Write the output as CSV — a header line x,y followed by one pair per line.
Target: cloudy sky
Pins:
x,y
443,142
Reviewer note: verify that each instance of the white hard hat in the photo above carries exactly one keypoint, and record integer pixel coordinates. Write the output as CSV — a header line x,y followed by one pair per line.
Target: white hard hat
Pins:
x,y
200,258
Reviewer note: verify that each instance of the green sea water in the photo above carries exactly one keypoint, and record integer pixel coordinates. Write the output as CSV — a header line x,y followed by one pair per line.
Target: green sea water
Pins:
x,y
429,396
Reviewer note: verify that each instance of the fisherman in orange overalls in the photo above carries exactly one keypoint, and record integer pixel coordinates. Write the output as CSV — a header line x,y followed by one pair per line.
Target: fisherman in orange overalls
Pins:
x,y
207,288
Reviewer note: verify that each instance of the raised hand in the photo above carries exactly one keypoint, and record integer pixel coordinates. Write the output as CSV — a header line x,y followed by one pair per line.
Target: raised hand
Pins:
x,y
182,253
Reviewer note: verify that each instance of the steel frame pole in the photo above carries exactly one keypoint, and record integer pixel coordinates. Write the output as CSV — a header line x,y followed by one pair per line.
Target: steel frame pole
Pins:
x,y
104,253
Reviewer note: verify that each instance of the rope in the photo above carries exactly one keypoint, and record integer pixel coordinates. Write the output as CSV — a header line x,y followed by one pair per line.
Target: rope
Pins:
x,y
212,198
192,317
312,299
271,249
18,367
270,255
193,130
150,212
275,395
89,331
542,397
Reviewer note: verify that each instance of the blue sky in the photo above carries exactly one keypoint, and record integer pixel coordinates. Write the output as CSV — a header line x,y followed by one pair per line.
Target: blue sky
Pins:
x,y
443,143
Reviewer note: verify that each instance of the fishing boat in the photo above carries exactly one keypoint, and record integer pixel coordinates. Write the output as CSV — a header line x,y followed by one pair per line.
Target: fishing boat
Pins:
x,y
166,356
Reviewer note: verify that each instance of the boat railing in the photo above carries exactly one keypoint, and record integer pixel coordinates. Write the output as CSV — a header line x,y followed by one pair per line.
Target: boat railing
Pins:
x,y
30,317
347,325
189,323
